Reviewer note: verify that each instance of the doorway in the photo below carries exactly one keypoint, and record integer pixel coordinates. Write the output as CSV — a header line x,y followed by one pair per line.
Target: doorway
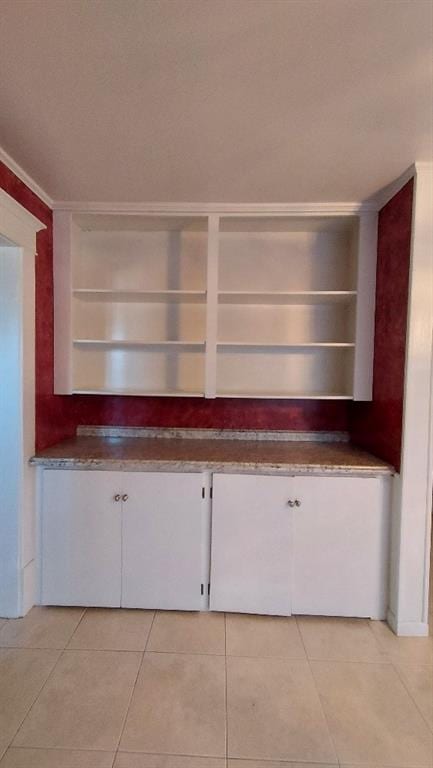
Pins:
x,y
18,230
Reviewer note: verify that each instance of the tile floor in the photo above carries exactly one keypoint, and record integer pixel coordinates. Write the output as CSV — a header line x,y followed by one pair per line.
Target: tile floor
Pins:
x,y
104,688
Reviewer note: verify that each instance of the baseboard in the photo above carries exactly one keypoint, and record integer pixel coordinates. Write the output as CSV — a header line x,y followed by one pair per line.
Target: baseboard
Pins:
x,y
29,586
407,628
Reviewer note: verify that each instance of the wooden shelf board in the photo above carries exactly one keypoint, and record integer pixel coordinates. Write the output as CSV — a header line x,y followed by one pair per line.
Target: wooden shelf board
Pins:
x,y
285,297
131,343
281,395
119,294
269,345
136,392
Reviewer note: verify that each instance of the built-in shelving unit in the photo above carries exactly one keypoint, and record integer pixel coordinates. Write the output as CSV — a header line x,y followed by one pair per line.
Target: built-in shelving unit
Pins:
x,y
268,306
287,294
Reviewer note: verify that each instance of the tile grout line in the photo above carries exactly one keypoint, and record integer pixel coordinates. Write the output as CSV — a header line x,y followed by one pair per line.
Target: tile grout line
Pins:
x,y
80,620
318,694
218,655
385,654
116,751
62,650
400,677
38,693
226,694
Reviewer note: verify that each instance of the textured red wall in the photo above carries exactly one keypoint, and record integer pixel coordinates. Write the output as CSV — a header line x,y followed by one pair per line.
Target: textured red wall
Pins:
x,y
377,426
58,416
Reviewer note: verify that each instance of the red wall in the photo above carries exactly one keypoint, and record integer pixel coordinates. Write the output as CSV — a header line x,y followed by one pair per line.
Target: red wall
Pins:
x,y
58,416
377,426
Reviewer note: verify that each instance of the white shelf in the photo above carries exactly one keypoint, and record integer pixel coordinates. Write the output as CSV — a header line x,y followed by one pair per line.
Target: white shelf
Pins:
x,y
129,294
285,297
136,392
132,343
263,346
281,395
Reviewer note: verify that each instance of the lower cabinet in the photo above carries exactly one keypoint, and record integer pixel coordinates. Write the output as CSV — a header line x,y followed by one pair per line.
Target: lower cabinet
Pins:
x,y
81,538
340,546
162,525
313,545
122,538
251,545
277,545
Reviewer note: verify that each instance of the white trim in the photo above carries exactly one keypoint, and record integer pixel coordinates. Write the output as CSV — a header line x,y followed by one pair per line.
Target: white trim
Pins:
x,y
17,527
29,586
63,229
365,307
375,203
13,216
222,209
212,307
407,628
413,488
24,177
381,198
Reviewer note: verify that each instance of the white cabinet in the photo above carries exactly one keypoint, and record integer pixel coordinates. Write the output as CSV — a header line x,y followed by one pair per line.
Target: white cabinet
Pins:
x,y
277,545
251,544
162,541
312,545
270,306
132,539
340,546
81,538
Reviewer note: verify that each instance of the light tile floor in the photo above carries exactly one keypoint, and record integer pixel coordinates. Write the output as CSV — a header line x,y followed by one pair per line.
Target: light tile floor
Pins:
x,y
101,688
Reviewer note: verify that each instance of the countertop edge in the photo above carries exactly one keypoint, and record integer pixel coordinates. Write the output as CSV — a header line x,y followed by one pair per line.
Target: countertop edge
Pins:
x,y
134,465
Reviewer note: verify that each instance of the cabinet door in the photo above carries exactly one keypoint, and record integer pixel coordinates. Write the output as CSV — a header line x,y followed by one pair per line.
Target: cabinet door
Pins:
x,y
251,544
340,546
81,537
162,541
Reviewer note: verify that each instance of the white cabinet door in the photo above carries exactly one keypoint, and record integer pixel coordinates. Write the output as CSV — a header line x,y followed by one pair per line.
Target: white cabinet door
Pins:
x,y
80,538
251,544
163,520
340,546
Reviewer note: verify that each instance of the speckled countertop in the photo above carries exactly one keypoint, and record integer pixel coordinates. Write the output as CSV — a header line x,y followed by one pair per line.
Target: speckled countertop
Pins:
x,y
176,454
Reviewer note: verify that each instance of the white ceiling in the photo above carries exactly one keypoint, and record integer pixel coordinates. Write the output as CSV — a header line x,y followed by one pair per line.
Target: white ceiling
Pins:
x,y
215,100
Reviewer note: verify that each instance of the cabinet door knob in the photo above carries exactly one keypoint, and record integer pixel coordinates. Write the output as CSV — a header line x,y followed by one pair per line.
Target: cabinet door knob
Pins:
x,y
291,503
125,497
117,497
297,503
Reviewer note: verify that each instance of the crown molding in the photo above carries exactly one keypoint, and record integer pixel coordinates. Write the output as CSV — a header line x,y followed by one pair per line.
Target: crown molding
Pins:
x,y
223,209
375,203
10,207
419,167
24,177
386,194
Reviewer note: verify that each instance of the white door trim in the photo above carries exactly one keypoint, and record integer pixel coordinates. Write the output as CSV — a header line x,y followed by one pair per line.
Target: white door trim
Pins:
x,y
17,510
411,529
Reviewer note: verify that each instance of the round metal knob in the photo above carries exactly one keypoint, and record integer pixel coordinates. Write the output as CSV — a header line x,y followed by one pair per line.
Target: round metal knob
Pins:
x,y
117,497
297,503
125,497
291,503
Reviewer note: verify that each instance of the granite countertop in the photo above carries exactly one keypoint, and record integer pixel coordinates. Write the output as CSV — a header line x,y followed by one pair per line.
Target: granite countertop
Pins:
x,y
177,454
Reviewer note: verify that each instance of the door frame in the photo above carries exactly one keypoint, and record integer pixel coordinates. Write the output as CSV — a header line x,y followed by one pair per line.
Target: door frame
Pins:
x,y
17,478
412,493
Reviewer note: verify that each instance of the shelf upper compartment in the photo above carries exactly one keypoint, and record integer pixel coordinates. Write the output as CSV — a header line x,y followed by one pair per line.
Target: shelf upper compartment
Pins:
x,y
285,297
121,294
